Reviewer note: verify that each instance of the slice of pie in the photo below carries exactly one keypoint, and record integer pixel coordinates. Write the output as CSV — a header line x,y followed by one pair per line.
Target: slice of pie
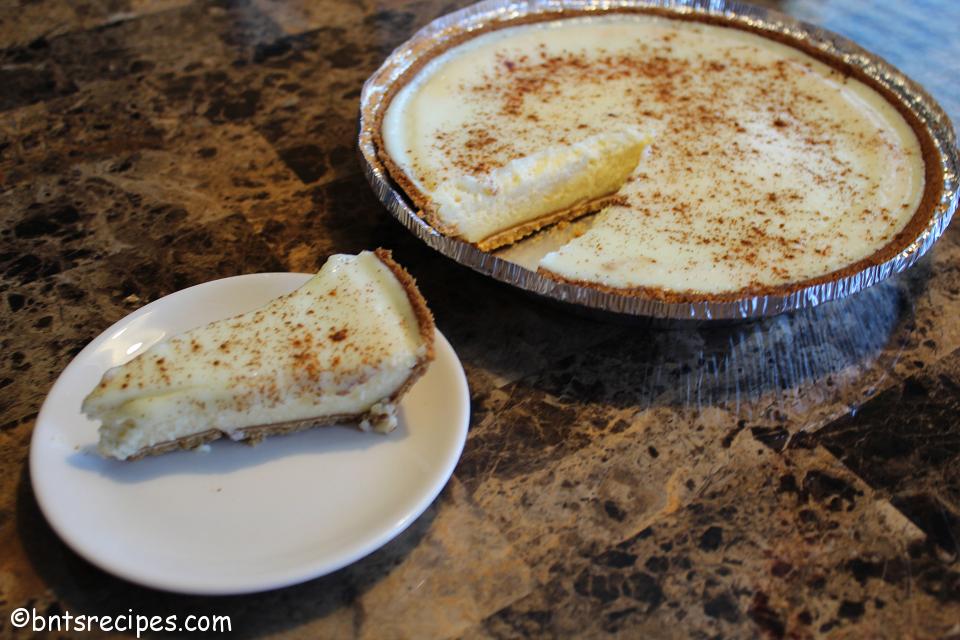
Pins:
x,y
525,194
772,166
343,348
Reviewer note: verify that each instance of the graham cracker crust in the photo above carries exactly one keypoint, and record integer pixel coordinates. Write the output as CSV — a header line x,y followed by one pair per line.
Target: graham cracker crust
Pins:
x,y
513,234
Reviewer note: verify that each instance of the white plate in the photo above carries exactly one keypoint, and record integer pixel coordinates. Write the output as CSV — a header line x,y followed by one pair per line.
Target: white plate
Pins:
x,y
238,519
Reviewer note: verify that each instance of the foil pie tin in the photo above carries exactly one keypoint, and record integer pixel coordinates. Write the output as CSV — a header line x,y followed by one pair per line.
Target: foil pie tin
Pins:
x,y
516,265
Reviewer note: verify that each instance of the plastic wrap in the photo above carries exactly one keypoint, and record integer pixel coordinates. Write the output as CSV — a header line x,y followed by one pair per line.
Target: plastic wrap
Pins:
x,y
513,267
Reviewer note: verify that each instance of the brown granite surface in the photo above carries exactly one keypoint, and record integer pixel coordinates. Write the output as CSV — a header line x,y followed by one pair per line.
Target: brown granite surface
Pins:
x,y
794,477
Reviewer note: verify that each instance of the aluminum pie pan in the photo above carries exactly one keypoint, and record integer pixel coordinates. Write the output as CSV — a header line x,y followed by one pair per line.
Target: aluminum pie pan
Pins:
x,y
928,113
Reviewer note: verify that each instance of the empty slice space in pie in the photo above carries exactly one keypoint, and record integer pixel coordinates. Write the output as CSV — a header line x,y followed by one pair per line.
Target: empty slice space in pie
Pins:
x,y
722,161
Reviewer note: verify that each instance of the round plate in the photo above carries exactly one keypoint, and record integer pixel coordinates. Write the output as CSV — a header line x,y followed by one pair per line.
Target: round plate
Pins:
x,y
517,265
233,518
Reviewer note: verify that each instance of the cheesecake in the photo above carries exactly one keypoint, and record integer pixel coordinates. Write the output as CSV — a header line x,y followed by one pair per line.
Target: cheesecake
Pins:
x,y
720,161
341,349
525,194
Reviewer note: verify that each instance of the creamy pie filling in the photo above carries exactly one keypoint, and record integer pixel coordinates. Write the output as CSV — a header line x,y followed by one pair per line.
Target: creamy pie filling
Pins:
x,y
338,346
767,167
552,179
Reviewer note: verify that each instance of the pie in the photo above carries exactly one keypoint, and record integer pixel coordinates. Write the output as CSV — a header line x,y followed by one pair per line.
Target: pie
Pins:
x,y
343,348
721,161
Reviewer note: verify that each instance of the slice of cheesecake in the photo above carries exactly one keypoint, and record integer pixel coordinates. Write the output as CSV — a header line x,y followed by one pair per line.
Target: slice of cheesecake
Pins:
x,y
343,348
524,195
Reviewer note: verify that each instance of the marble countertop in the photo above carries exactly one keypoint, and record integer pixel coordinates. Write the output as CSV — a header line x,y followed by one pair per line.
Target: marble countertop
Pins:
x,y
794,477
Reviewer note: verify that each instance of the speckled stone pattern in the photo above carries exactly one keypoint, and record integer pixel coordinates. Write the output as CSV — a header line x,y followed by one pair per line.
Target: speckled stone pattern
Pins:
x,y
796,477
